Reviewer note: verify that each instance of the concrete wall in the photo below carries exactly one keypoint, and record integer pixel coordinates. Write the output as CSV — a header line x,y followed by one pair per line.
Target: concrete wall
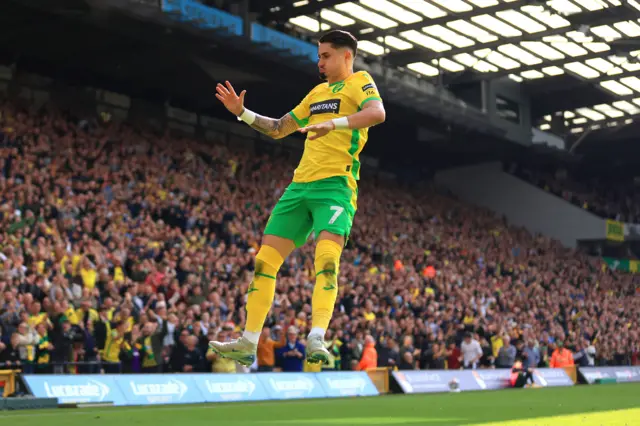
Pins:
x,y
523,204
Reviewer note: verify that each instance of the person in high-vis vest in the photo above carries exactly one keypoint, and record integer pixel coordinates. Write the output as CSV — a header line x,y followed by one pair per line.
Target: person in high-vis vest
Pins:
x,y
561,357
369,355
520,375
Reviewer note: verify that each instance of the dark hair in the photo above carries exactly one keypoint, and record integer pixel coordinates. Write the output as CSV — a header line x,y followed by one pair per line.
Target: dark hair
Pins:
x,y
339,38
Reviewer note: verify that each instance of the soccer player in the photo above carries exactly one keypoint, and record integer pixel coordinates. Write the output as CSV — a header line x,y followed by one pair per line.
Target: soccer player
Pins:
x,y
335,116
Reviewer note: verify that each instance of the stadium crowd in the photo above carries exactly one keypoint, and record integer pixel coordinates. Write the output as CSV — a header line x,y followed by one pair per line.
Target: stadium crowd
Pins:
x,y
124,250
616,200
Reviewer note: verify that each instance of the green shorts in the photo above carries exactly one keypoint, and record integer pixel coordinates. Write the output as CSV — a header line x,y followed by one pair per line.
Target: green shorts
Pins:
x,y
324,205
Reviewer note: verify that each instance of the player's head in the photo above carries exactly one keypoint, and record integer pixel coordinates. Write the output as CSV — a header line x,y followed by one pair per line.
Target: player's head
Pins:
x,y
336,53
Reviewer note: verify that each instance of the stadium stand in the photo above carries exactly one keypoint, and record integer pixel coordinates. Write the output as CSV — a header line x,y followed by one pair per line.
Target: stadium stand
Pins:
x,y
104,222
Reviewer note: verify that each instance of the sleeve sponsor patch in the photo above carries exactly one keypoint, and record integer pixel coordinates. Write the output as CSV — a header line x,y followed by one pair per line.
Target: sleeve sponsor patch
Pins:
x,y
369,86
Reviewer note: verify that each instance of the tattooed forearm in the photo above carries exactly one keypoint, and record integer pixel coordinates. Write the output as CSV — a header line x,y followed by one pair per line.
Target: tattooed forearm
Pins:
x,y
277,129
266,125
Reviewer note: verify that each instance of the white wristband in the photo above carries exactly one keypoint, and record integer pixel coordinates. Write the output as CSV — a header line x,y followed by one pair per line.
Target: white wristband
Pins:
x,y
247,116
341,123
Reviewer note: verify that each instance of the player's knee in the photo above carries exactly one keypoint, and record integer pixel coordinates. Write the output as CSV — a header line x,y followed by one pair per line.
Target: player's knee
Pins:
x,y
268,257
283,246
326,235
327,259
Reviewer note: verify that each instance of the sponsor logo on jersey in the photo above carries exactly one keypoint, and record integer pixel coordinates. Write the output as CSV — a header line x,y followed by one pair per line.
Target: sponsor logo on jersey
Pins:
x,y
331,106
369,86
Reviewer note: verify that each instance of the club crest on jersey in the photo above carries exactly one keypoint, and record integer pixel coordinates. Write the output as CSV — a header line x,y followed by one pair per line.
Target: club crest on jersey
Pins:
x,y
331,106
338,87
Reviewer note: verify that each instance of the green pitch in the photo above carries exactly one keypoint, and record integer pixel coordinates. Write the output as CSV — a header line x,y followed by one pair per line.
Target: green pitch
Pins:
x,y
609,405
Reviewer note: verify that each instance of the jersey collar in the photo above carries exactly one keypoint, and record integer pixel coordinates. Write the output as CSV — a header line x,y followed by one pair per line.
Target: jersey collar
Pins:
x,y
341,81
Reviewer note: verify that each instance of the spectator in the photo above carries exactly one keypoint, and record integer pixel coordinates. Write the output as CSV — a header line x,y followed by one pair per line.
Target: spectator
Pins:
x,y
453,357
506,354
388,355
267,348
10,354
561,357
369,358
436,358
292,353
192,360
531,355
219,364
43,350
333,345
487,360
471,352
115,344
407,362
150,346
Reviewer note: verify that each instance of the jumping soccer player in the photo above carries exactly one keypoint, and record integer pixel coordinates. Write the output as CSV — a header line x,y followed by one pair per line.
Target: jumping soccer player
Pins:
x,y
335,116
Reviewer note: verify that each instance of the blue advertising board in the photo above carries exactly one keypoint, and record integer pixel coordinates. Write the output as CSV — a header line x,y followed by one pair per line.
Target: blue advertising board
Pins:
x,y
621,374
230,387
147,389
347,384
291,385
76,388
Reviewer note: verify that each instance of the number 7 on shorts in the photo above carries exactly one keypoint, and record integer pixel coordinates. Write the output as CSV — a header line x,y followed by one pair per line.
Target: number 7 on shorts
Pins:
x,y
338,211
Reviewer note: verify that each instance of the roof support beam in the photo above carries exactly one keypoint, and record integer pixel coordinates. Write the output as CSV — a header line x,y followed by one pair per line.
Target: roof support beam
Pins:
x,y
594,18
629,98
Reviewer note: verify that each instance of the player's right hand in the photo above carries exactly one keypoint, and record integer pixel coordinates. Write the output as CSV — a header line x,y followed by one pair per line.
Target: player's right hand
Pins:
x,y
227,95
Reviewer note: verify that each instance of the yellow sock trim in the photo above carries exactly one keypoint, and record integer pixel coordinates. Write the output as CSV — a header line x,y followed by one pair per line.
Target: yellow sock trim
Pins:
x,y
262,288
325,291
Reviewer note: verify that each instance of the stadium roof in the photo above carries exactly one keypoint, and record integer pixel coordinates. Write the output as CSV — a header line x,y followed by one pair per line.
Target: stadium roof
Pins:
x,y
584,53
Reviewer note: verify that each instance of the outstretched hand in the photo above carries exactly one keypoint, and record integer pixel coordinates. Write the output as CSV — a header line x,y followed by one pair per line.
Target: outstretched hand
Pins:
x,y
227,95
318,130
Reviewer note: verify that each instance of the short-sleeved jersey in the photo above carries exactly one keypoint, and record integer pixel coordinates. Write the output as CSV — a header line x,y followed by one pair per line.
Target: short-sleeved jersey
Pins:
x,y
338,152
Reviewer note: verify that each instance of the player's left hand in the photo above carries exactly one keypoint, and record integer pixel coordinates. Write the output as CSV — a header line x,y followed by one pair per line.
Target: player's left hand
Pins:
x,y
318,130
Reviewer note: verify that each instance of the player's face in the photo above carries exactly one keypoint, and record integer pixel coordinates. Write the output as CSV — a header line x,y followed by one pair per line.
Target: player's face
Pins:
x,y
332,61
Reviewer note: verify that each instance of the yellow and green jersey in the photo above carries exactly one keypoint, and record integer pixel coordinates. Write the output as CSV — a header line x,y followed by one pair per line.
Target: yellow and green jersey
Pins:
x,y
43,352
338,152
145,346
113,345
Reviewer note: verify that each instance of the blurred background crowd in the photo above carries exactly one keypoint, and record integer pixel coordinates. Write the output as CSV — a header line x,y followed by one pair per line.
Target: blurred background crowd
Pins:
x,y
127,250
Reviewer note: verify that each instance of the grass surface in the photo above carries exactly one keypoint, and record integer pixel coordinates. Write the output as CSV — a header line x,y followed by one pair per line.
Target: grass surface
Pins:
x,y
608,405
